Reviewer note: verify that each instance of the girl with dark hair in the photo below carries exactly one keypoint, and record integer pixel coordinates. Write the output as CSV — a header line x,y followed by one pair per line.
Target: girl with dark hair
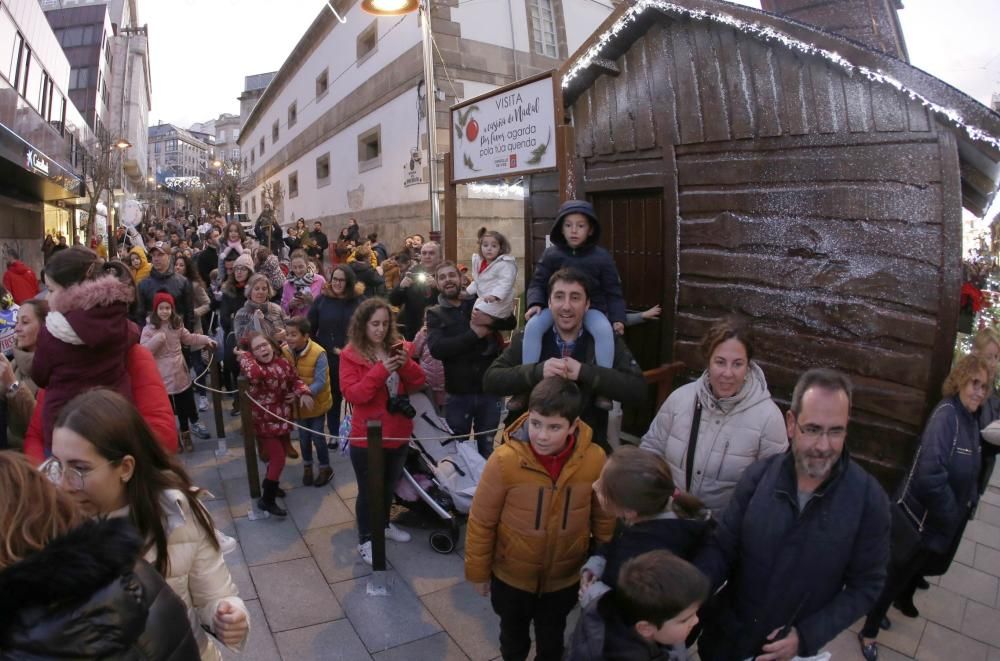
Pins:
x,y
637,488
231,241
104,456
329,316
184,265
494,271
15,377
62,578
709,431
164,334
87,332
377,372
274,384
234,297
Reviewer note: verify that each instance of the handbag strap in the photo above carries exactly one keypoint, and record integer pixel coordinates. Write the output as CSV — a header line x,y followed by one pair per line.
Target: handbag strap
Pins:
x,y
692,442
916,460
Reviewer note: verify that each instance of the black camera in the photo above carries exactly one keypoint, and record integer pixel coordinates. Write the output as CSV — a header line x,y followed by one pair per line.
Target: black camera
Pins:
x,y
401,404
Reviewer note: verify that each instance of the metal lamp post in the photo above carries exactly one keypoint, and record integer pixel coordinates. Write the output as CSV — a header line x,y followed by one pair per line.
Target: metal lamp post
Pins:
x,y
397,8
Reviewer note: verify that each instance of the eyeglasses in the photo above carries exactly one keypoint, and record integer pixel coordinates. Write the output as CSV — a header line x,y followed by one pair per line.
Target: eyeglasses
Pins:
x,y
815,432
61,475
338,279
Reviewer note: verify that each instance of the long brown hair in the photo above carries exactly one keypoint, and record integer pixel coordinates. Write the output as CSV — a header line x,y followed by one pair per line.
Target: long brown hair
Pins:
x,y
116,429
32,510
356,331
640,481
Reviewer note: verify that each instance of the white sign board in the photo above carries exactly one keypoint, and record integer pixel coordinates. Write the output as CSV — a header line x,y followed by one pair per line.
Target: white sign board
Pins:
x,y
507,132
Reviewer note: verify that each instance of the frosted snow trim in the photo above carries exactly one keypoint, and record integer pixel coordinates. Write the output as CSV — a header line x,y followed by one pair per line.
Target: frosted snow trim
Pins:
x,y
766,33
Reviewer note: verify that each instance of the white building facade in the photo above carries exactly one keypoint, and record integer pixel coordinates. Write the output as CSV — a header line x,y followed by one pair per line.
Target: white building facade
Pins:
x,y
341,126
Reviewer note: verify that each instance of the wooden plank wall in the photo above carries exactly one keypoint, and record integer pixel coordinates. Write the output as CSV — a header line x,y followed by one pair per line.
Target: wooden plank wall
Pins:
x,y
806,200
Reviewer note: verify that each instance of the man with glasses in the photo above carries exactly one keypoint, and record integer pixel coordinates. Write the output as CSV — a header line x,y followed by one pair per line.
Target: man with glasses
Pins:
x,y
804,542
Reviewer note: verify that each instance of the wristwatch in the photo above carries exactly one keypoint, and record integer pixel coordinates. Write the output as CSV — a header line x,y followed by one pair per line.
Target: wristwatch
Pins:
x,y
12,388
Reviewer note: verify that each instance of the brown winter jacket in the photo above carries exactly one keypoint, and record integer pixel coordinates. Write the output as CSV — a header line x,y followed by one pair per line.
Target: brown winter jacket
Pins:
x,y
532,534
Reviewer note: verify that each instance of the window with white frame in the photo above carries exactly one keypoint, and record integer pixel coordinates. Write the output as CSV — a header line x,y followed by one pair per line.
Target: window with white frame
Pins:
x,y
367,42
541,17
370,149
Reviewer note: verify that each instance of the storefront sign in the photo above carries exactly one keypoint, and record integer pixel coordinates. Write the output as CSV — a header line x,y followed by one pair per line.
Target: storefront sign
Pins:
x,y
505,132
37,162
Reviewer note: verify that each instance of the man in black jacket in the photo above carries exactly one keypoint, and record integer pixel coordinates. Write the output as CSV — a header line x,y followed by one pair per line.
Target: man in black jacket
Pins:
x,y
163,278
804,542
568,351
462,351
417,290
322,242
208,259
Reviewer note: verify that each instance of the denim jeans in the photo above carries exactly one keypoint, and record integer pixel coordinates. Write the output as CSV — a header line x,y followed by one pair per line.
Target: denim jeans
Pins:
x,y
395,460
333,415
594,322
481,410
308,438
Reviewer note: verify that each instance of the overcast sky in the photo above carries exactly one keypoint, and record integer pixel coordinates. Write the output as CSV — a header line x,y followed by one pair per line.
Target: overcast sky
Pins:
x,y
200,50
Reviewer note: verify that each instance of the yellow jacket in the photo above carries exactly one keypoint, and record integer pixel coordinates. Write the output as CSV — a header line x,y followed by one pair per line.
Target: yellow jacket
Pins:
x,y
144,266
532,534
305,366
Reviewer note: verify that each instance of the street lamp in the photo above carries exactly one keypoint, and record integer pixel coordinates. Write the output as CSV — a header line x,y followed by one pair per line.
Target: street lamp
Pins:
x,y
123,144
396,8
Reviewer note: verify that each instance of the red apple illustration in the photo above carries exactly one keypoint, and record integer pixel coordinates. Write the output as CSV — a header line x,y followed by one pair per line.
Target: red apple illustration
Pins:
x,y
472,130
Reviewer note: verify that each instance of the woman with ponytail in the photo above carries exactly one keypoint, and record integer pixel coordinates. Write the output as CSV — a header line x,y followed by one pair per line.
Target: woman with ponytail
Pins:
x,y
637,487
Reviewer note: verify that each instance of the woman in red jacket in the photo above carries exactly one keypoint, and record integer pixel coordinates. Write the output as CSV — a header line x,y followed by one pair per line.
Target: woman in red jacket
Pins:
x,y
377,372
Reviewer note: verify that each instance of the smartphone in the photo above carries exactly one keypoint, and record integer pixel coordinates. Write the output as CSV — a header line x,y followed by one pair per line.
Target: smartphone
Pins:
x,y
397,347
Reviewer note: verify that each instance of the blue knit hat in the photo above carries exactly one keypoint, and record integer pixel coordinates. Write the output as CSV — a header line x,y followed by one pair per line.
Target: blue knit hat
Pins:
x,y
576,206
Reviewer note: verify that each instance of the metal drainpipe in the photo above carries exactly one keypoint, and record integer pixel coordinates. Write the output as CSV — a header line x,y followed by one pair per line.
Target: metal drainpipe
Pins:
x,y
513,43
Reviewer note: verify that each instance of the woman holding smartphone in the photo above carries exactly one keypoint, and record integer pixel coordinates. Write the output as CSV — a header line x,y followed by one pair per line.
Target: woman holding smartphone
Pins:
x,y
377,373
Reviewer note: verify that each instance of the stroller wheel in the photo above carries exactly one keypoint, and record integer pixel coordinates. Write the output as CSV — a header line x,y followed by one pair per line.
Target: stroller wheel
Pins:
x,y
443,541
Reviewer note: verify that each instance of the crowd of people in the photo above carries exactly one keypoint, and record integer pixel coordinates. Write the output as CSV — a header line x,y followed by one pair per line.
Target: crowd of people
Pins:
x,y
732,526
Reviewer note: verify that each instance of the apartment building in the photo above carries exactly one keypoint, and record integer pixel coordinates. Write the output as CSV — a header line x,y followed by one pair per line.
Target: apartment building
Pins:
x,y
341,126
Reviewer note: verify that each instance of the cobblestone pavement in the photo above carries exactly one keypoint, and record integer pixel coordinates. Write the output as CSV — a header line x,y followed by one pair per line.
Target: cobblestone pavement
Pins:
x,y
305,585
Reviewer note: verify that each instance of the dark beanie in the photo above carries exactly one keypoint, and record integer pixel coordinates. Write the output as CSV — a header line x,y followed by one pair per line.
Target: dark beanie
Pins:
x,y
576,206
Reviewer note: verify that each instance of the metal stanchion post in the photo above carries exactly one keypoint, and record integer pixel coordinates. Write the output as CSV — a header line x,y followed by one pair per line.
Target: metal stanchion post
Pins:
x,y
249,448
377,585
220,426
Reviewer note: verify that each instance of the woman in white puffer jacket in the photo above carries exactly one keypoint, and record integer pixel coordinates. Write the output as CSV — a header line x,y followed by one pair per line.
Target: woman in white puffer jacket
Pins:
x,y
737,422
105,457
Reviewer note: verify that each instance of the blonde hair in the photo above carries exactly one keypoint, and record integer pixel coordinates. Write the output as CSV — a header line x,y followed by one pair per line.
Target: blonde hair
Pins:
x,y
32,512
985,338
963,371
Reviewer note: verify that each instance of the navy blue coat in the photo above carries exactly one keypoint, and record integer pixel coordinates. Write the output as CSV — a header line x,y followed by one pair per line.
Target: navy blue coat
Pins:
x,y
329,318
945,487
590,259
827,562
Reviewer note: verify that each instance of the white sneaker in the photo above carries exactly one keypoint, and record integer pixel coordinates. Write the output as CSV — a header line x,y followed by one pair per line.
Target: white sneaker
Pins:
x,y
226,543
202,403
366,552
396,534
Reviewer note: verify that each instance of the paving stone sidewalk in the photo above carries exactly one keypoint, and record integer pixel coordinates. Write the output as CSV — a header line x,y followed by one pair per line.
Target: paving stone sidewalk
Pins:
x,y
305,585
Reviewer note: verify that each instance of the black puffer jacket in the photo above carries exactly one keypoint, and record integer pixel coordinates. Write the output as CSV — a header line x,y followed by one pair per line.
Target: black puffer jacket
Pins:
x,y
174,284
87,595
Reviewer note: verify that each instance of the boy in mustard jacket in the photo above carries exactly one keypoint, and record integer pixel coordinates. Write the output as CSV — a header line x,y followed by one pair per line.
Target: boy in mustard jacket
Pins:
x,y
532,520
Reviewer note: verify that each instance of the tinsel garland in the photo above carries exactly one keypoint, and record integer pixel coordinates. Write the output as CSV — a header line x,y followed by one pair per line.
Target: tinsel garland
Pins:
x,y
769,34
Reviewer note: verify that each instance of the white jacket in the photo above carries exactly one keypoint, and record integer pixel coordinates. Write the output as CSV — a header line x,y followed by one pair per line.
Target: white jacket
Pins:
x,y
497,280
733,433
197,571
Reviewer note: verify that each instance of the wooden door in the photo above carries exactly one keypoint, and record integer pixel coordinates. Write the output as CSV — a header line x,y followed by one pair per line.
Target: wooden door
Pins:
x,y
633,230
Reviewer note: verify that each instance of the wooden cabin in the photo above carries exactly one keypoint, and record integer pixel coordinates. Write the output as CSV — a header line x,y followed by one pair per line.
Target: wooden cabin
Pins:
x,y
738,167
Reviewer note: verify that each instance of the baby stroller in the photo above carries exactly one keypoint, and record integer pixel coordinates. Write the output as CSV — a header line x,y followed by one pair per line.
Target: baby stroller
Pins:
x,y
440,473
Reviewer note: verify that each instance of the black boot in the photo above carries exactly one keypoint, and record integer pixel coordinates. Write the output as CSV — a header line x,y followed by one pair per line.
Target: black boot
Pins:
x,y
267,503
